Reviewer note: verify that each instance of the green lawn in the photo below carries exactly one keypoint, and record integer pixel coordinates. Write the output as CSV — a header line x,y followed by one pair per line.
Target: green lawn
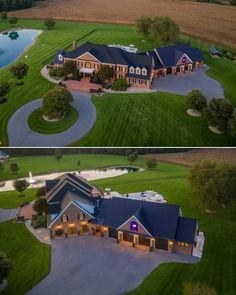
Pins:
x,y
13,199
38,124
154,119
61,38
47,164
30,258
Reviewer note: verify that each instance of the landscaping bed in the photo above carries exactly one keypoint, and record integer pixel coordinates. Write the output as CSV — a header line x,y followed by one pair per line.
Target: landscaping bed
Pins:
x,y
39,124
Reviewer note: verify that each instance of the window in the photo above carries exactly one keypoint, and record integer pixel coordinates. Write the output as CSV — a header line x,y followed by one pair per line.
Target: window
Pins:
x,y
182,244
60,57
131,70
144,72
133,226
64,218
138,70
81,215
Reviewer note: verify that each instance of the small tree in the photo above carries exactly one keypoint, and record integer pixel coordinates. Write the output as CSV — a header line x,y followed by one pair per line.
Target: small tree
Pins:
x,y
105,73
14,167
198,289
143,26
219,112
165,31
120,85
151,163
41,192
1,167
56,102
133,157
41,206
3,15
232,125
58,154
20,185
19,70
5,267
4,89
78,163
13,20
49,23
196,100
69,67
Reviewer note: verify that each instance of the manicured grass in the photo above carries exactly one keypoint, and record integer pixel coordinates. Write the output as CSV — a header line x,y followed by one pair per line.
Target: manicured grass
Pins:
x,y
47,164
61,38
154,119
217,267
37,123
30,258
13,199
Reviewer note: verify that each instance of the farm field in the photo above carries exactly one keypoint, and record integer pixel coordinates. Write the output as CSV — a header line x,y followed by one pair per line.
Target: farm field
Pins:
x,y
190,157
216,269
62,36
194,18
154,119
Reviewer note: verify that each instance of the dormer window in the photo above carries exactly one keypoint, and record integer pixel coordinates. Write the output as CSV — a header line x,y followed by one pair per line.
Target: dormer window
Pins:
x,y
60,57
81,215
134,226
64,218
138,70
144,72
131,70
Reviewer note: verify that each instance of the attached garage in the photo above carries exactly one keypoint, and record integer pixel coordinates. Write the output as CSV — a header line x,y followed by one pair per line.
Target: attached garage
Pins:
x,y
59,232
128,237
112,233
144,241
83,228
71,231
161,244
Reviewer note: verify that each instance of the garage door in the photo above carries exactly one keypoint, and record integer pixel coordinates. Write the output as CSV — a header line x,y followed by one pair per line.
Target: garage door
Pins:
x,y
83,228
112,233
72,230
162,244
59,232
144,241
128,237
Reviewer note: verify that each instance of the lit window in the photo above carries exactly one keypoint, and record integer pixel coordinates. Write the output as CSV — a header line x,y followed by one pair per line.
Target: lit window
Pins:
x,y
60,57
133,226
81,215
64,218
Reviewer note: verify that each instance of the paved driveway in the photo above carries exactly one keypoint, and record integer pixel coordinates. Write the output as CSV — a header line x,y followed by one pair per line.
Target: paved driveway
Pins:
x,y
183,83
89,265
20,134
7,214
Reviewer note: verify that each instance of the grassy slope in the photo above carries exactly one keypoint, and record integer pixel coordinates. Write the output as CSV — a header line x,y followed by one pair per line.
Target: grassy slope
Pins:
x,y
217,267
46,164
37,123
63,35
12,199
31,259
156,119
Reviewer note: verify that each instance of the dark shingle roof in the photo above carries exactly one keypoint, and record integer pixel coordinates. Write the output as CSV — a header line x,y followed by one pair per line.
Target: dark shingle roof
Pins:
x,y
170,55
51,183
62,53
159,219
186,230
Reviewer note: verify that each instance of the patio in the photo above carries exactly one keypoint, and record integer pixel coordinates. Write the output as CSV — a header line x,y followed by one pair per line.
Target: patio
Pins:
x,y
83,85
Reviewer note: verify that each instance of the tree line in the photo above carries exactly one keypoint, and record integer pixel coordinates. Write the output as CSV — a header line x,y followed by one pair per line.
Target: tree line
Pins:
x,y
8,5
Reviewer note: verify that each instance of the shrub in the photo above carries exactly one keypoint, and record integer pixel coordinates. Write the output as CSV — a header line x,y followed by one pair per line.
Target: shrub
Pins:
x,y
39,221
56,73
19,70
105,73
5,267
4,89
151,163
14,167
196,100
13,20
2,183
132,157
219,112
41,192
20,185
69,67
120,85
49,22
41,206
95,79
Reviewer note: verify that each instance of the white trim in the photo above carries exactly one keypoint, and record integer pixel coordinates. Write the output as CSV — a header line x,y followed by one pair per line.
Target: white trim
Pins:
x,y
159,57
90,55
71,203
137,221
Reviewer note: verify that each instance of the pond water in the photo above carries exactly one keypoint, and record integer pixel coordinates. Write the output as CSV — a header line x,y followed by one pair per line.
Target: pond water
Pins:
x,y
14,43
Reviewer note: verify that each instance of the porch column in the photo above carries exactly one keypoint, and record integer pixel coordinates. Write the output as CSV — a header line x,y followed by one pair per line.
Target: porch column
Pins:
x,y
190,67
51,234
66,234
173,70
152,244
170,246
120,237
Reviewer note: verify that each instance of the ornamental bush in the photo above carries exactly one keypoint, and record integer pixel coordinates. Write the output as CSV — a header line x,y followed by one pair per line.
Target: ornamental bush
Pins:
x,y
56,73
196,100
56,102
120,85
39,221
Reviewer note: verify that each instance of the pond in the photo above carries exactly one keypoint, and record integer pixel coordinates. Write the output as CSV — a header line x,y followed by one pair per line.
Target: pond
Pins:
x,y
14,43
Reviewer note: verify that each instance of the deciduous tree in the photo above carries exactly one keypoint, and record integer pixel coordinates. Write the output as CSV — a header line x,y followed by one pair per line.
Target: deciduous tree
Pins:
x,y
5,267
41,206
14,167
20,185
196,100
143,25
5,87
151,163
58,154
19,70
105,73
49,23
13,20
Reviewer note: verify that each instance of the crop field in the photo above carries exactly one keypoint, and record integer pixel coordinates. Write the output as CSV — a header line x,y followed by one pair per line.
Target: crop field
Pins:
x,y
173,120
206,20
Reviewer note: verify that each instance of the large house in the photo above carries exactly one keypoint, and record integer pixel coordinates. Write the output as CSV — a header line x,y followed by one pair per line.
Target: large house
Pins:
x,y
76,207
137,69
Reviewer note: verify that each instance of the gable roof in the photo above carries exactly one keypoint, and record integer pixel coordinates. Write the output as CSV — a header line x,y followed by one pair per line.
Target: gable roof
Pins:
x,y
186,230
159,219
170,55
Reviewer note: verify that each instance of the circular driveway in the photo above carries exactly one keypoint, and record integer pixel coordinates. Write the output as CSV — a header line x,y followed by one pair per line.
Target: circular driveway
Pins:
x,y
20,134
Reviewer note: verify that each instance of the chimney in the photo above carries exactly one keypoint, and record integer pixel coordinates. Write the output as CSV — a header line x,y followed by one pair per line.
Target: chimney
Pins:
x,y
74,45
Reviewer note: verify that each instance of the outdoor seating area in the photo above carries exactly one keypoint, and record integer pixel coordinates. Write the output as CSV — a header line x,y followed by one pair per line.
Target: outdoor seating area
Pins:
x,y
84,85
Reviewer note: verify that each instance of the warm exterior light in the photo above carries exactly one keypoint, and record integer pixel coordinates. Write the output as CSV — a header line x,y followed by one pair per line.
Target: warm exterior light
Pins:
x,y
83,222
170,243
133,226
71,224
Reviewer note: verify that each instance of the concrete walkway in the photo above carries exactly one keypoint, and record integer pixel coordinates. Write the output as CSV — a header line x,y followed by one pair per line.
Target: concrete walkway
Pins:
x,y
20,134
183,83
42,234
93,265
7,214
44,73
